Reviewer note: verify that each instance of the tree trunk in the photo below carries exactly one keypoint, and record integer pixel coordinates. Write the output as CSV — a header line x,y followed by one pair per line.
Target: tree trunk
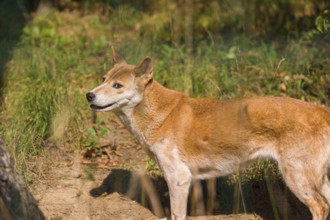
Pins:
x,y
16,202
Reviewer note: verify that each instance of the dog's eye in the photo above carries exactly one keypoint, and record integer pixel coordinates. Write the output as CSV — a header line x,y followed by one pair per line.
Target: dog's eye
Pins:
x,y
103,78
117,86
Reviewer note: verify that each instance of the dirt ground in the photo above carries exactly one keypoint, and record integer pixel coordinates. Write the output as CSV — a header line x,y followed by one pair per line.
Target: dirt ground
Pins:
x,y
113,185
70,193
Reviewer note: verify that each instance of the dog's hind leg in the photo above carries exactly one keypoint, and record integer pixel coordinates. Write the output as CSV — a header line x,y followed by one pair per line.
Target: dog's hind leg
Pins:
x,y
306,183
325,189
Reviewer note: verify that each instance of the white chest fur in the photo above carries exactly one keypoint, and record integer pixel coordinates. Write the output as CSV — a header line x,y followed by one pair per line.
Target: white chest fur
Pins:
x,y
126,117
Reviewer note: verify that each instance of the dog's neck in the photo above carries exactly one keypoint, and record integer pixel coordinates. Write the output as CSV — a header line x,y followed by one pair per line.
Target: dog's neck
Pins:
x,y
144,119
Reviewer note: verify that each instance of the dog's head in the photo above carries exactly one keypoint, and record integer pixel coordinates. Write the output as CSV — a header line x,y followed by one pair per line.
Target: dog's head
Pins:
x,y
122,86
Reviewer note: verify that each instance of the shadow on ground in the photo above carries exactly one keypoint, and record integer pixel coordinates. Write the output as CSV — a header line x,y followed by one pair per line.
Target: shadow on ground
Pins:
x,y
150,193
221,198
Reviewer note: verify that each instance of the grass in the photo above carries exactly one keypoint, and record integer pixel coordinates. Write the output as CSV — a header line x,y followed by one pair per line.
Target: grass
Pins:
x,y
45,83
61,55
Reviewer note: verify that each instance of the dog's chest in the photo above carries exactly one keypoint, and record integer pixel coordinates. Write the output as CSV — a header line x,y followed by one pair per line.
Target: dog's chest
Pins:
x,y
127,119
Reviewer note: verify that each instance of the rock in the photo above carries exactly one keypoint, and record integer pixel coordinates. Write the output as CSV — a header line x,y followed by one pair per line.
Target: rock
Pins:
x,y
16,202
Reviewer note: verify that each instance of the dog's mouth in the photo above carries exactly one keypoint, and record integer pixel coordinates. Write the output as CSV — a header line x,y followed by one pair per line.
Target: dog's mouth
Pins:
x,y
96,107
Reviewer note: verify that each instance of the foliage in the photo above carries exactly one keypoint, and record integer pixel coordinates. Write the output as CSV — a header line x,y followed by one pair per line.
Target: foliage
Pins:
x,y
91,139
62,54
322,21
152,168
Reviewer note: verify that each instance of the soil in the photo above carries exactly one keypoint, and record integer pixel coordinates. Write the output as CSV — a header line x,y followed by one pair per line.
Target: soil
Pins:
x,y
114,185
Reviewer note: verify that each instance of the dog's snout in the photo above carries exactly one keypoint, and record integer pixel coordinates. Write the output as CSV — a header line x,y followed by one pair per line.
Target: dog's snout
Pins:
x,y
90,96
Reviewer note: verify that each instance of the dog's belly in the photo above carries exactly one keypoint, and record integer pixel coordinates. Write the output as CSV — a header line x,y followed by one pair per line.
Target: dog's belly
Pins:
x,y
208,168
213,165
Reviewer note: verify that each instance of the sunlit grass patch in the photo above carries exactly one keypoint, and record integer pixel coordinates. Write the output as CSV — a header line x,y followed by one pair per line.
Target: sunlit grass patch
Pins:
x,y
45,85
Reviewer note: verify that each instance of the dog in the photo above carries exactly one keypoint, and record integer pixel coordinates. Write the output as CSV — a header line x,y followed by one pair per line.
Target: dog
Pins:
x,y
204,138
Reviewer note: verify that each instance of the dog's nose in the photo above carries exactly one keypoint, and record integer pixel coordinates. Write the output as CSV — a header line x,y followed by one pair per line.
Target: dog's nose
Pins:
x,y
90,96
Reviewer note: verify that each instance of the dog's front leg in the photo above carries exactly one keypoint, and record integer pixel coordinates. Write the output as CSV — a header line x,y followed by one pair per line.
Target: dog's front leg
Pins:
x,y
179,190
178,177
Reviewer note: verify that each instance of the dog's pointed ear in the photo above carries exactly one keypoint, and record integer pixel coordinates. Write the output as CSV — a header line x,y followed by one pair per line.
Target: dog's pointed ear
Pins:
x,y
145,68
116,57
